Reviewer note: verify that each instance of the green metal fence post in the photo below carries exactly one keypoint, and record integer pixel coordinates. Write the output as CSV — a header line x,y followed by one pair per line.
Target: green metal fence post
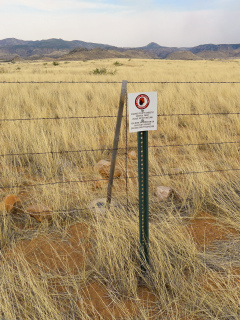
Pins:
x,y
143,197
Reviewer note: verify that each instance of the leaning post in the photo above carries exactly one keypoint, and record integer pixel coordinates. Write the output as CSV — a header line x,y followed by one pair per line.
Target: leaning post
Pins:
x,y
115,142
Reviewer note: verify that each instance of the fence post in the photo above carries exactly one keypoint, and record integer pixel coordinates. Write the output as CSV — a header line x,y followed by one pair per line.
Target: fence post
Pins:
x,y
115,142
143,197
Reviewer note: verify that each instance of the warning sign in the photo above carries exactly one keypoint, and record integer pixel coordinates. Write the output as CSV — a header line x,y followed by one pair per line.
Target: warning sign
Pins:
x,y
142,111
142,101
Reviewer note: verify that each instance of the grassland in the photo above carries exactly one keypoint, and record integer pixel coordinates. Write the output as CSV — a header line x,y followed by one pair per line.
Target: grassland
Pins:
x,y
91,267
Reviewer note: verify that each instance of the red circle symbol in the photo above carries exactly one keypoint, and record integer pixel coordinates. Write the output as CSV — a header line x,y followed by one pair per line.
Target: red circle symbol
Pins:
x,y
142,101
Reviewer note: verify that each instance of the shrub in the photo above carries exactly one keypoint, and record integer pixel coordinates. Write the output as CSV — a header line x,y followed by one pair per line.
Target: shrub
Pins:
x,y
100,71
55,63
104,71
116,63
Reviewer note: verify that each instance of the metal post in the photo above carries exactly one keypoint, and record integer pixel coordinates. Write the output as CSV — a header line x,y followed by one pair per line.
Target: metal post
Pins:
x,y
143,197
115,142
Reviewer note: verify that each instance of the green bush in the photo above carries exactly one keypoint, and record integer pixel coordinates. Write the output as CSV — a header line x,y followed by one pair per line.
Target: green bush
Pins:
x,y
100,71
55,63
116,63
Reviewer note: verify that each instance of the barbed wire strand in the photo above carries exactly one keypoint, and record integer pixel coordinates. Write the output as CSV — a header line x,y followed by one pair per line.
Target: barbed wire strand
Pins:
x,y
52,183
194,172
195,144
60,82
184,82
199,114
59,152
119,148
119,82
136,177
112,116
60,118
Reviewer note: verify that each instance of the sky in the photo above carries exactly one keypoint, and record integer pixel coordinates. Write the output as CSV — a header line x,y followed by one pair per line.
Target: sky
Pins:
x,y
123,23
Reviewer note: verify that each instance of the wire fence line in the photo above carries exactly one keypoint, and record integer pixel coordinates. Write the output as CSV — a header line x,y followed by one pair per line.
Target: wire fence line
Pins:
x,y
119,82
120,178
119,148
59,118
112,116
127,147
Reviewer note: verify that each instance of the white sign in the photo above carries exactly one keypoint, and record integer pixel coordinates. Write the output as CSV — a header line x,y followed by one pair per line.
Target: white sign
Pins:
x,y
142,111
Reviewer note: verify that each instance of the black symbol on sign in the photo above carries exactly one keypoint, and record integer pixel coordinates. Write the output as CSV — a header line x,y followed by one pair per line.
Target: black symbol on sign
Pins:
x,y
141,101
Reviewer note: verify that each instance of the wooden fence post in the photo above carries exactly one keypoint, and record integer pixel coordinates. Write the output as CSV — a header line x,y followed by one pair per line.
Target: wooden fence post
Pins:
x,y
115,142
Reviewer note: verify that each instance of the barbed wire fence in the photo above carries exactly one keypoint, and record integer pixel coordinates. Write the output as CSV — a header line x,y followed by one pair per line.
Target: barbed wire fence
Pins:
x,y
126,148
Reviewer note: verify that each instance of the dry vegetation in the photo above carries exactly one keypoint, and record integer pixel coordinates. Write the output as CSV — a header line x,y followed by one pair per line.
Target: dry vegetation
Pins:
x,y
86,266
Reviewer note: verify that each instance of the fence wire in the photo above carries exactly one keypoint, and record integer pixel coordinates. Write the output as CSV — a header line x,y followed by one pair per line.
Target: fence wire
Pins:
x,y
119,82
120,178
126,148
112,116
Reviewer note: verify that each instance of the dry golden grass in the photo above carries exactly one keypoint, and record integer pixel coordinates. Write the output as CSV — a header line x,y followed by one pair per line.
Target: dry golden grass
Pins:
x,y
185,281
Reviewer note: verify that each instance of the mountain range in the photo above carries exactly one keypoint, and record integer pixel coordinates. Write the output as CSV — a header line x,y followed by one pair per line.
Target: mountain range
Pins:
x,y
59,49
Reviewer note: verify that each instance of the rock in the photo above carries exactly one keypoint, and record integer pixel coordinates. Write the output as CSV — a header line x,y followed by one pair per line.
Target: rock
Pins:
x,y
39,212
12,204
99,205
163,193
102,163
132,155
103,167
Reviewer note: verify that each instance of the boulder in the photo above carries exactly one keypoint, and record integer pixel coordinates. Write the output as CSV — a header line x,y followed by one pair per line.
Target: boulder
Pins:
x,y
40,212
132,155
103,167
163,193
12,204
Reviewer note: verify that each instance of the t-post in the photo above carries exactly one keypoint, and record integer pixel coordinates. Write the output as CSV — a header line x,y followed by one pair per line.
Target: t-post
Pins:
x,y
142,118
143,197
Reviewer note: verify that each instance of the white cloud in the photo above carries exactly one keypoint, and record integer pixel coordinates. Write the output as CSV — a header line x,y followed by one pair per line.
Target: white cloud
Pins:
x,y
58,5
124,28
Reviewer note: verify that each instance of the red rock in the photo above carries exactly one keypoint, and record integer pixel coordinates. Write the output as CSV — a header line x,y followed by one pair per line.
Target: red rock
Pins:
x,y
39,212
103,167
12,204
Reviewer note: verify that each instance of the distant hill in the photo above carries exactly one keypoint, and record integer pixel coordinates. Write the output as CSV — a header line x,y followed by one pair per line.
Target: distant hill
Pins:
x,y
221,51
183,55
80,50
99,53
9,48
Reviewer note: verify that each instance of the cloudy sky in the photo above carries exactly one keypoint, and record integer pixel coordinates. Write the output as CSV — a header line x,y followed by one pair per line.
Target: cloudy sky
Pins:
x,y
127,23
